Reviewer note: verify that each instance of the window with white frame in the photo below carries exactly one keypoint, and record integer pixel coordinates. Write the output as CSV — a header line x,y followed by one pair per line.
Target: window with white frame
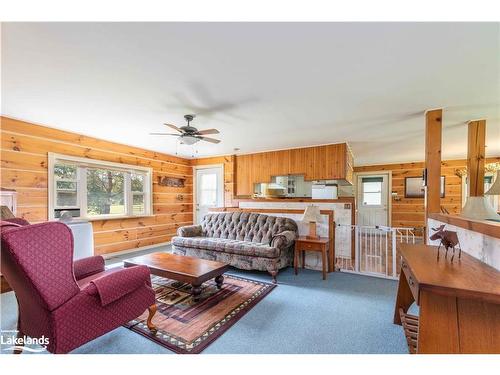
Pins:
x,y
95,189
372,190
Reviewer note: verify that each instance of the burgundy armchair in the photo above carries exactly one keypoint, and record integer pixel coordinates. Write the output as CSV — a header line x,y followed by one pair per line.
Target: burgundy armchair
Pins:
x,y
68,303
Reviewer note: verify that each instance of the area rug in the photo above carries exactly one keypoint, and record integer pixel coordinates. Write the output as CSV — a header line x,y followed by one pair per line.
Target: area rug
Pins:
x,y
188,327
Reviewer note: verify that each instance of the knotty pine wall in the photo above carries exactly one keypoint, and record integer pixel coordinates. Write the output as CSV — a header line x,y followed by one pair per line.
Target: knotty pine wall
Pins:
x,y
410,212
24,168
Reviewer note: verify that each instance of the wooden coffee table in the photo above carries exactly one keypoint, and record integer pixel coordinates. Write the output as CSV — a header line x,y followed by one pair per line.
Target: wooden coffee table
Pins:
x,y
191,270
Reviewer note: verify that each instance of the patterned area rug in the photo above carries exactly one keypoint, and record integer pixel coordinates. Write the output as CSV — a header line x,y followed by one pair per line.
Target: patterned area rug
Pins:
x,y
187,327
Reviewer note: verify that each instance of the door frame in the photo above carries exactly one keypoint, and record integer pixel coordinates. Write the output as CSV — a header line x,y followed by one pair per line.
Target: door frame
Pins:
x,y
220,186
389,192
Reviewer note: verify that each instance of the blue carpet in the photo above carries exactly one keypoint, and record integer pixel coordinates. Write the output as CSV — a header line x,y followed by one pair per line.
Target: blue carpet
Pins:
x,y
345,314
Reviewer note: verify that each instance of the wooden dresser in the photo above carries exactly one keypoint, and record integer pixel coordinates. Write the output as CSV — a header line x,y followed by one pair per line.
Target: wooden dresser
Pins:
x,y
459,302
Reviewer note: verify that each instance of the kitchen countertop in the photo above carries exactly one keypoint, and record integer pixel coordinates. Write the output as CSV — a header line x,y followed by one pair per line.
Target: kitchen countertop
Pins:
x,y
302,199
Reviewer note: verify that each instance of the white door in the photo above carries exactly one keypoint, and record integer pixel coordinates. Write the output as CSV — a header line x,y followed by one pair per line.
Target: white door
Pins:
x,y
209,190
373,197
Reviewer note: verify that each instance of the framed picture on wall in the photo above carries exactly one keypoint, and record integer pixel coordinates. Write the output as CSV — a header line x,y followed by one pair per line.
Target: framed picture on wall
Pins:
x,y
414,187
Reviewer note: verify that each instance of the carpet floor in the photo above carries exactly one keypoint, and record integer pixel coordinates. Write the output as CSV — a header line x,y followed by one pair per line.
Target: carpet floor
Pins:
x,y
347,313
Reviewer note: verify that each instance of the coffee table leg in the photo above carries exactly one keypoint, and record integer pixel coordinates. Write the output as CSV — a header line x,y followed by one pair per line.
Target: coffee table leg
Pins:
x,y
196,290
219,280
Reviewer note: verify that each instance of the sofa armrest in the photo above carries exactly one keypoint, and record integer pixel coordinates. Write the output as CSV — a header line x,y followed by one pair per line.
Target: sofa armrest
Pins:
x,y
283,239
88,266
114,286
190,231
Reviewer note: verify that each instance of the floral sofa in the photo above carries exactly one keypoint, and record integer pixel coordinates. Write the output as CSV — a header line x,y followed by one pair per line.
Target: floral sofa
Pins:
x,y
245,240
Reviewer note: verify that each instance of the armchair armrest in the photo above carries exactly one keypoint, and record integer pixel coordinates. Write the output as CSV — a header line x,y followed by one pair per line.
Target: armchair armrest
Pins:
x,y
114,286
283,239
190,231
88,266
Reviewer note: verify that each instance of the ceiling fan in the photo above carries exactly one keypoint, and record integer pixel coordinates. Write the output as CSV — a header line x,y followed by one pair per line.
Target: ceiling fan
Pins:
x,y
189,135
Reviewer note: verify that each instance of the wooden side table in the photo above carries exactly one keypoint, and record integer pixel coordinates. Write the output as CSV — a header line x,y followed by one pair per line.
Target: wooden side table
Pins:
x,y
322,244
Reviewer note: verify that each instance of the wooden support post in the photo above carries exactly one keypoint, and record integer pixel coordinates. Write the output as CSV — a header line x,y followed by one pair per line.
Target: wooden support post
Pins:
x,y
433,130
475,157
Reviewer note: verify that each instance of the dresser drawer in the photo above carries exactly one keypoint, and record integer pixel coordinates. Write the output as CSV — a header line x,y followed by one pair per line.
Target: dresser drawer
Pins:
x,y
412,281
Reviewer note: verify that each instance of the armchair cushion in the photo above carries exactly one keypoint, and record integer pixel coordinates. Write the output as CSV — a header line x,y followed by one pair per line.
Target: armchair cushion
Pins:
x,y
114,286
190,231
88,266
283,239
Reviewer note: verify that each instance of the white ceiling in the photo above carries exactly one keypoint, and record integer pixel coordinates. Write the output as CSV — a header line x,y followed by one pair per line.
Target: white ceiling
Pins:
x,y
264,86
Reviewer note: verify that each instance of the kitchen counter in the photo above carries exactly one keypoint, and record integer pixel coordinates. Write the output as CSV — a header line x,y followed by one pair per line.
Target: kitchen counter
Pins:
x,y
301,199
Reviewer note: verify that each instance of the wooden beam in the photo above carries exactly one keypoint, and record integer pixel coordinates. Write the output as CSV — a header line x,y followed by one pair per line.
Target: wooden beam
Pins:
x,y
475,157
433,130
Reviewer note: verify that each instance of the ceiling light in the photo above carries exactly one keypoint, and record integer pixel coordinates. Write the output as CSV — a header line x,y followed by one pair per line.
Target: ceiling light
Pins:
x,y
188,139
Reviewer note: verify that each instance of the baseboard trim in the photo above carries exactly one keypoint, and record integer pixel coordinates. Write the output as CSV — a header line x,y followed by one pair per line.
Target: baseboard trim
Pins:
x,y
135,249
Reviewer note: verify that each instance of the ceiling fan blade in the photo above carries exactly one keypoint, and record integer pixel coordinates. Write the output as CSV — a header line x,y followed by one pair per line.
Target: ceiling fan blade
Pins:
x,y
174,127
208,131
176,135
211,140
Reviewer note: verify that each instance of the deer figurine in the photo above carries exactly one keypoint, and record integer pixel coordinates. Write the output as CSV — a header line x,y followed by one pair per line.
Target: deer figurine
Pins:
x,y
448,239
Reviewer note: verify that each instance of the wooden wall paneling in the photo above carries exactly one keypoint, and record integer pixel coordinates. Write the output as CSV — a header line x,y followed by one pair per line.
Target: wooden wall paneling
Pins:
x,y
22,127
24,148
433,134
476,147
453,189
33,145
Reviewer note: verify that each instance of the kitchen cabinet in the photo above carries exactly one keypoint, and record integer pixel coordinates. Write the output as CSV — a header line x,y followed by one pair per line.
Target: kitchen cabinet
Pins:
x,y
328,162
243,172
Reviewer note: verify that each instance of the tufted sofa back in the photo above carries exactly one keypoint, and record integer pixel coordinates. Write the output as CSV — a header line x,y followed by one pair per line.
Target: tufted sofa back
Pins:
x,y
246,226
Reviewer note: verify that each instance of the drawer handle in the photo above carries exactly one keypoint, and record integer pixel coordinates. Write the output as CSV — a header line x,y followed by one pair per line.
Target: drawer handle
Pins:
x,y
410,281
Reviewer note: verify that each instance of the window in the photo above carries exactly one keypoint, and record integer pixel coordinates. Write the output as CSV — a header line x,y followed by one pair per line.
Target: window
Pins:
x,y
372,190
96,189
137,181
105,192
66,183
208,187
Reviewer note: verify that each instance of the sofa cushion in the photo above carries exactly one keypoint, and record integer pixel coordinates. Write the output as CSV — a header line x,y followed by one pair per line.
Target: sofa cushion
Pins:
x,y
226,245
246,226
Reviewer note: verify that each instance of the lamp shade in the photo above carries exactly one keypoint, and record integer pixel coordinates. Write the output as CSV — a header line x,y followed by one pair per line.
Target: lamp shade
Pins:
x,y
311,214
479,208
495,188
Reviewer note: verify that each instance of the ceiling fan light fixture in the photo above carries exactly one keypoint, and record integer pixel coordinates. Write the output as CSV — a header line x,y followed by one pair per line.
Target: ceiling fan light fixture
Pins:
x,y
188,139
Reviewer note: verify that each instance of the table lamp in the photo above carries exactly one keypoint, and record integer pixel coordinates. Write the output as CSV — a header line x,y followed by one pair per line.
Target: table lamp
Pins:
x,y
312,216
479,208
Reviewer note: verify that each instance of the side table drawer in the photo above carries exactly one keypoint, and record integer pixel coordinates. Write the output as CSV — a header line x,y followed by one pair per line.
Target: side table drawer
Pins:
x,y
308,246
412,281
